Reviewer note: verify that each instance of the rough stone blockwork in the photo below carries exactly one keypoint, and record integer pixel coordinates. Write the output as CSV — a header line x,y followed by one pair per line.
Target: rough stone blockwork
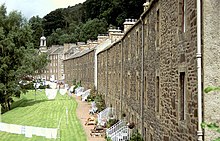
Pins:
x,y
80,68
150,75
169,71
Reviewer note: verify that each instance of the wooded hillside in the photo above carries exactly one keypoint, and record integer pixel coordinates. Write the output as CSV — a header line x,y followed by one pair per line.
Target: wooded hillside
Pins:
x,y
84,21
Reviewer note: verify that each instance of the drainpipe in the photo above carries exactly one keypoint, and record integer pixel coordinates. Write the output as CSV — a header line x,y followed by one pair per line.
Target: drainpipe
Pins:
x,y
96,69
142,76
106,93
121,92
199,71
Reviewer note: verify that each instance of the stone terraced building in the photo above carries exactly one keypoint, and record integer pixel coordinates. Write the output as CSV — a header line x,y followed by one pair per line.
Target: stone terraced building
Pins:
x,y
154,73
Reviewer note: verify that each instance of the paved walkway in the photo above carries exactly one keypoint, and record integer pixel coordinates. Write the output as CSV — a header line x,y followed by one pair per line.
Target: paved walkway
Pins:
x,y
82,112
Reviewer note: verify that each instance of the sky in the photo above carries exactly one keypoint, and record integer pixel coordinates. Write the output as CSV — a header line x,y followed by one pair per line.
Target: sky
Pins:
x,y
31,8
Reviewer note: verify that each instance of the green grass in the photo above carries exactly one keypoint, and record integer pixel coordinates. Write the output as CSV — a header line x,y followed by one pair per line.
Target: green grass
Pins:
x,y
44,113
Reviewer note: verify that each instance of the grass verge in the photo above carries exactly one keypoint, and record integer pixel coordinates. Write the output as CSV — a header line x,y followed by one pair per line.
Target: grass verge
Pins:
x,y
41,112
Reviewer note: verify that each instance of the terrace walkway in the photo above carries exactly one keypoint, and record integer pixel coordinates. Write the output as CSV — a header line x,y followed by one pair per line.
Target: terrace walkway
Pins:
x,y
82,112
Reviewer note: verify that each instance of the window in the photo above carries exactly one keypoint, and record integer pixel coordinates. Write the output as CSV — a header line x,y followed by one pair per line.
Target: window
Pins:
x,y
184,16
182,95
129,88
137,88
137,47
145,133
129,47
157,97
158,29
145,90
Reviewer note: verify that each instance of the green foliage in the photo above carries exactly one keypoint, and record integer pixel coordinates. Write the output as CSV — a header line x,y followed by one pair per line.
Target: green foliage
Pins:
x,y
37,27
92,95
78,84
217,139
74,82
211,126
113,11
53,21
28,86
211,88
18,58
111,122
100,103
92,28
108,138
136,136
85,21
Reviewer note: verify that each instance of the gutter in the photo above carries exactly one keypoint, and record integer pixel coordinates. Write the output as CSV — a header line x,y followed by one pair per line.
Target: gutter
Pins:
x,y
199,71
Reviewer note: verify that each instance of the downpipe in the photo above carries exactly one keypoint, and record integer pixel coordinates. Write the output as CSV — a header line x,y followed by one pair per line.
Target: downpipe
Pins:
x,y
142,77
199,71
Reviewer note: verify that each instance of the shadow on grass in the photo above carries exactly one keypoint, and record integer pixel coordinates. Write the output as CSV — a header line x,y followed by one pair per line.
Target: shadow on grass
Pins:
x,y
26,102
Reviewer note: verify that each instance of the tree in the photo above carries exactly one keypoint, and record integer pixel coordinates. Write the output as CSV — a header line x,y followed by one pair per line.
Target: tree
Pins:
x,y
37,27
92,28
18,58
74,21
54,20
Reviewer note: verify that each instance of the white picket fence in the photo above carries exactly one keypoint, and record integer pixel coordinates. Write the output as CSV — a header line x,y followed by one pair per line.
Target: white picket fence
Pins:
x,y
123,134
28,131
115,128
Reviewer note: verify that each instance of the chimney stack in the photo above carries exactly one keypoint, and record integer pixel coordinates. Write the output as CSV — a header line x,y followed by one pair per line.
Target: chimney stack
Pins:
x,y
128,24
115,34
146,5
102,37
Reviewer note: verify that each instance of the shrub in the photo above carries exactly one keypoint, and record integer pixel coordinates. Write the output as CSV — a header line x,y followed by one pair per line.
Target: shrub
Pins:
x,y
100,103
111,122
78,84
74,82
136,136
92,95
108,138
28,86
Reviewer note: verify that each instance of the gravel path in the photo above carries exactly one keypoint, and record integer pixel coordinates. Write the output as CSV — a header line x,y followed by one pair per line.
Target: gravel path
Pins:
x,y
82,112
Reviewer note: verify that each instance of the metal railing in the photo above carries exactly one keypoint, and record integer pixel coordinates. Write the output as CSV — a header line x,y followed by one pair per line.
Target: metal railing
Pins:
x,y
123,134
115,128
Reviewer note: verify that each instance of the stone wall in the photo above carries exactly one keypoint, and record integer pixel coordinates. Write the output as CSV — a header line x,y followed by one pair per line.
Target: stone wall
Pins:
x,y
169,58
150,75
211,59
80,68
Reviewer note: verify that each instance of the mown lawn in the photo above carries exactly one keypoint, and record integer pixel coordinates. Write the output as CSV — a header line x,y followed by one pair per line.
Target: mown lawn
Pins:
x,y
44,113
